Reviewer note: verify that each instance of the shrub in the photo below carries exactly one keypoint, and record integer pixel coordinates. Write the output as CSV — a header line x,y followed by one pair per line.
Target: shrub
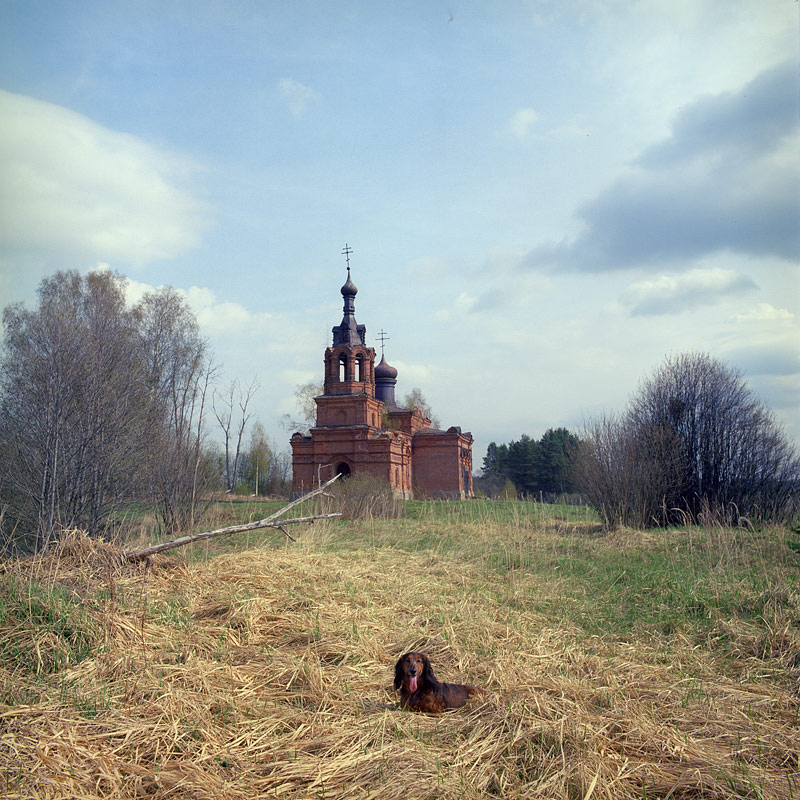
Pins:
x,y
365,496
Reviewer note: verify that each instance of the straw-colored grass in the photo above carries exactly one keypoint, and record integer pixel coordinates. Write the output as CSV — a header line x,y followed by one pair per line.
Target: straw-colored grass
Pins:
x,y
267,673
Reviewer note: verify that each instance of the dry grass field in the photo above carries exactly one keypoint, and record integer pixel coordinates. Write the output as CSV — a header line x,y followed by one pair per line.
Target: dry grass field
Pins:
x,y
616,665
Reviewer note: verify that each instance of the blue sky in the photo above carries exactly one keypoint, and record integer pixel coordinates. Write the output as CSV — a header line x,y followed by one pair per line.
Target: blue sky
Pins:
x,y
544,199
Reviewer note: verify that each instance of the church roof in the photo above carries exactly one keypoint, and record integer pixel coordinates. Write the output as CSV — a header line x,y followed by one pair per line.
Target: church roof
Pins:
x,y
385,370
349,331
349,288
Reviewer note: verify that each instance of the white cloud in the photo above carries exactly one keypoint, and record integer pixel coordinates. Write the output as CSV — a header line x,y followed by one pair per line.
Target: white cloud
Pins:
x,y
764,311
464,302
78,190
297,94
411,375
764,343
214,317
669,294
224,317
673,49
522,123
134,290
199,297
461,305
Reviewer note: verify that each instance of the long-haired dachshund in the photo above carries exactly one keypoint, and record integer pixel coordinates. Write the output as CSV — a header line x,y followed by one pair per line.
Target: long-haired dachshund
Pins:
x,y
419,689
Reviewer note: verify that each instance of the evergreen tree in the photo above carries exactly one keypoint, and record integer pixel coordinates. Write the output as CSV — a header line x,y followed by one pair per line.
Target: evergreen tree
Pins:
x,y
555,468
534,467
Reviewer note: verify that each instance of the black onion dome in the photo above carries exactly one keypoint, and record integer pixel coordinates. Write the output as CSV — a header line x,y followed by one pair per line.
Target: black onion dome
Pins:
x,y
349,288
384,370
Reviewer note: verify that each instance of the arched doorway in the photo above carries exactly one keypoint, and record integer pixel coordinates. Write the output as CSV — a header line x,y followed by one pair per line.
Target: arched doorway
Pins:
x,y
343,469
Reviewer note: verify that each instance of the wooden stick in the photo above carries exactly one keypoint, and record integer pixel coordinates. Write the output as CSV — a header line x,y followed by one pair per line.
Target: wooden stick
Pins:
x,y
267,522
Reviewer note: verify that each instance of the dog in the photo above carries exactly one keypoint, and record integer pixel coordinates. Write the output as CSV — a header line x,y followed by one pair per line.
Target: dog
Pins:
x,y
420,691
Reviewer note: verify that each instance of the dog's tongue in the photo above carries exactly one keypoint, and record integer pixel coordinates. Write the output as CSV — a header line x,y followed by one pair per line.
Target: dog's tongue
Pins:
x,y
412,683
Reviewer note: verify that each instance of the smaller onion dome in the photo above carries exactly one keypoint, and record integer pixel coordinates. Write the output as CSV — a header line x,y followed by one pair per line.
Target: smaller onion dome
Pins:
x,y
385,370
349,288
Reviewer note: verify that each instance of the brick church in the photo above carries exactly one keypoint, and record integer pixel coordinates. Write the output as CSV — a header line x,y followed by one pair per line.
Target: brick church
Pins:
x,y
361,429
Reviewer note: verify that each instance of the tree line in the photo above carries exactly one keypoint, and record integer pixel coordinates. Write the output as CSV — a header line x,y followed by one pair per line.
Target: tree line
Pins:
x,y
534,467
102,405
694,445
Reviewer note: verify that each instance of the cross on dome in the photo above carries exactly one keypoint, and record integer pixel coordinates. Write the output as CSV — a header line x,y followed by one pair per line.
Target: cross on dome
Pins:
x,y
346,253
382,337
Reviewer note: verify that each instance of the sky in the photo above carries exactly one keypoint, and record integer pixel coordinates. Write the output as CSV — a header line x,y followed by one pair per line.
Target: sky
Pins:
x,y
544,198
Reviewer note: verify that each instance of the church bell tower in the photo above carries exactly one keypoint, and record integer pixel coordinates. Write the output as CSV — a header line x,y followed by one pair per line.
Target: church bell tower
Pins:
x,y
349,363
348,396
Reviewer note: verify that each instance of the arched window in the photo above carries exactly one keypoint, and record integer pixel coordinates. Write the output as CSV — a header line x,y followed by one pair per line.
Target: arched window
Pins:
x,y
342,367
360,368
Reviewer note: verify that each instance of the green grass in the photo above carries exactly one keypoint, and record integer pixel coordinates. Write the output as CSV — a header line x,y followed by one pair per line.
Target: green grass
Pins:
x,y
734,592
47,628
630,585
499,511
663,587
695,582
137,521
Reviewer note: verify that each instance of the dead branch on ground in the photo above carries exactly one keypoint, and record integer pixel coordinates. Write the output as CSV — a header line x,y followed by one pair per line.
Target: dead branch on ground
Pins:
x,y
267,522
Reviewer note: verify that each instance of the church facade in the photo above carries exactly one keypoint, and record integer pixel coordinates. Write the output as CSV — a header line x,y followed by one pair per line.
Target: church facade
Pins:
x,y
360,428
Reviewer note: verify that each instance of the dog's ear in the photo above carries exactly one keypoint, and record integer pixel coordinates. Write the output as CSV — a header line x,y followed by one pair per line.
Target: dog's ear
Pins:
x,y
427,669
398,672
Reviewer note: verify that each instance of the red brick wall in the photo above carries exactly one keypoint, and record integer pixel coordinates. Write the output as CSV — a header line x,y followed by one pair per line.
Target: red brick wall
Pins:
x,y
339,410
442,464
386,455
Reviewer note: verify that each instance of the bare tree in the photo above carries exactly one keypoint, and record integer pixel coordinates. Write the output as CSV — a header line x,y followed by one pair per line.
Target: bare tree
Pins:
x,y
73,406
101,404
179,372
416,399
262,466
304,395
628,476
735,459
694,443
223,406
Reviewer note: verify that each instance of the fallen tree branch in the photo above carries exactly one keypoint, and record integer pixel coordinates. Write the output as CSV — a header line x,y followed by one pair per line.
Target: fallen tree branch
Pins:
x,y
288,535
267,522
